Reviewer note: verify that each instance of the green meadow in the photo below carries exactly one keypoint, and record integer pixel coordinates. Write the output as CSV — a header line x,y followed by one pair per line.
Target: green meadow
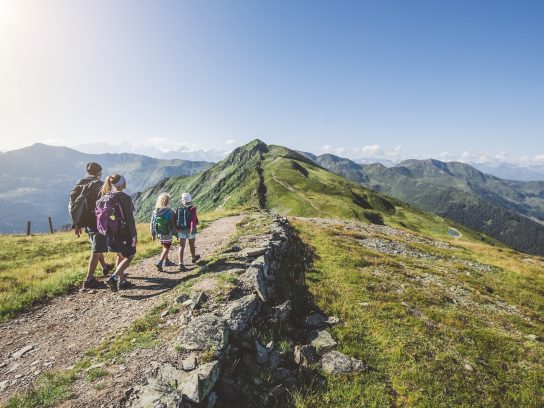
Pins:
x,y
433,333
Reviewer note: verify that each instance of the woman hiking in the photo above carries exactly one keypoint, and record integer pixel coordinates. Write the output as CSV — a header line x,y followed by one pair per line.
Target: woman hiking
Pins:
x,y
163,226
187,220
115,217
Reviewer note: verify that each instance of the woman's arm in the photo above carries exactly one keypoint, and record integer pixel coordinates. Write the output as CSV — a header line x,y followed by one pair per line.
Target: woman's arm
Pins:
x,y
128,210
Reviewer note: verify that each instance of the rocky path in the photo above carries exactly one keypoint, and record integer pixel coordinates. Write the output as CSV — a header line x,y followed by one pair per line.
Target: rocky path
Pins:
x,y
55,335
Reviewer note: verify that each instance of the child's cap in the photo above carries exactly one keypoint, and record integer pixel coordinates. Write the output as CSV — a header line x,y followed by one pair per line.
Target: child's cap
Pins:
x,y
186,198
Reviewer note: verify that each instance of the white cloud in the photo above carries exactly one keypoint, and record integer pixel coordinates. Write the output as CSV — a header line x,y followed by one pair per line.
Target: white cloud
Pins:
x,y
539,158
374,150
230,141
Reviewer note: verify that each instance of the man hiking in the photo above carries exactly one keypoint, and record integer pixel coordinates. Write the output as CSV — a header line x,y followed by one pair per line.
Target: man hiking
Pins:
x,y
83,199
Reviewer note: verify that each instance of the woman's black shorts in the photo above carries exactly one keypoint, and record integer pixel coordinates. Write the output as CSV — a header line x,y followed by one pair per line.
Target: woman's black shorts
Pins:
x,y
121,244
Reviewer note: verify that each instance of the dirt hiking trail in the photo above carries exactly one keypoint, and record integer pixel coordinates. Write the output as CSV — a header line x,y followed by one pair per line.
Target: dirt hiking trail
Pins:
x,y
54,336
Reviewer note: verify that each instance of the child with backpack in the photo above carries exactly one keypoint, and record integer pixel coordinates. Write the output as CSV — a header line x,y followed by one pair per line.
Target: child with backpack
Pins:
x,y
187,220
163,226
115,219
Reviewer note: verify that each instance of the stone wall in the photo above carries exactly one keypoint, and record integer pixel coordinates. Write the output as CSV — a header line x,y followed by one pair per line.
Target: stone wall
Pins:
x,y
219,357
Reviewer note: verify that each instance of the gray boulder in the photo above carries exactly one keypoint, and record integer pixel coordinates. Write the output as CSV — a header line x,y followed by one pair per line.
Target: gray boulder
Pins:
x,y
198,383
321,340
189,363
305,355
204,332
281,312
240,312
335,362
160,391
253,279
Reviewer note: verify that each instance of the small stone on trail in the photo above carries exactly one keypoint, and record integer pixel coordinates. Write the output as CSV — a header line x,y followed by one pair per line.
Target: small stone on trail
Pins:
x,y
532,337
468,367
165,313
92,291
37,372
22,352
18,376
4,385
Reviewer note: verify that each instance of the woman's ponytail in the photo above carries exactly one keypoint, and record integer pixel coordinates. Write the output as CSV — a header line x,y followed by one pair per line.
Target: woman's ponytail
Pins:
x,y
110,182
106,188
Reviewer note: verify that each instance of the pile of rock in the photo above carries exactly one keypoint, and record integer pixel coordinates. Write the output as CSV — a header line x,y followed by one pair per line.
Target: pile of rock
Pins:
x,y
217,338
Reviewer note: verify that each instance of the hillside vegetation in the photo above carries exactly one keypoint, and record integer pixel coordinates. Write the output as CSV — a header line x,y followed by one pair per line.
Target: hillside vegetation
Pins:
x,y
510,211
279,179
437,325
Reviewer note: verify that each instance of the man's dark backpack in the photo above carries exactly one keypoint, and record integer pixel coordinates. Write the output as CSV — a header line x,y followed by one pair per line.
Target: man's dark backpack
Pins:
x,y
82,203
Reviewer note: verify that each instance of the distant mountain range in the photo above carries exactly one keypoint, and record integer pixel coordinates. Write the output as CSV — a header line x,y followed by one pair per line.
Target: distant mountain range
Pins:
x,y
185,153
512,171
509,211
35,181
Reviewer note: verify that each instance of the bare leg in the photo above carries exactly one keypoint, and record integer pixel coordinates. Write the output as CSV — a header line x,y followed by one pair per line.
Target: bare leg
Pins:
x,y
164,254
93,262
181,250
192,248
102,260
122,266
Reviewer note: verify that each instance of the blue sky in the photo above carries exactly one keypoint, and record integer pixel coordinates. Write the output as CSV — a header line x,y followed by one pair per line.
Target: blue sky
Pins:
x,y
361,78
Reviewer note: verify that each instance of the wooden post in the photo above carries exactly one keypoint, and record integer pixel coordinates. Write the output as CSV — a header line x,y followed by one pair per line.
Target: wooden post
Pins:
x,y
28,228
50,225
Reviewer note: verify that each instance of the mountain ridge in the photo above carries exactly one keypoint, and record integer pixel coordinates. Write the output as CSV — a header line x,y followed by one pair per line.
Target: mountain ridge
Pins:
x,y
35,180
504,209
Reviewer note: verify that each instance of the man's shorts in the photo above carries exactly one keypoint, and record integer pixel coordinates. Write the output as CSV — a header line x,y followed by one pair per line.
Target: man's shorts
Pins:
x,y
186,235
98,242
121,244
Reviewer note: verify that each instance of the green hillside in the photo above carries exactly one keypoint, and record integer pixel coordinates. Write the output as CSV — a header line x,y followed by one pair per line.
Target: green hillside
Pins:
x,y
276,178
437,325
511,212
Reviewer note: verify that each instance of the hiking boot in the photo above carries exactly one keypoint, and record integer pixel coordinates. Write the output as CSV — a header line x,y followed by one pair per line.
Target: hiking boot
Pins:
x,y
107,269
90,283
182,268
196,258
124,284
170,263
159,266
112,283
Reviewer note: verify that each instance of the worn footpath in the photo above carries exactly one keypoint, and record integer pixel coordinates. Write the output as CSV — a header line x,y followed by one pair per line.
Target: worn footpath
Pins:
x,y
53,336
